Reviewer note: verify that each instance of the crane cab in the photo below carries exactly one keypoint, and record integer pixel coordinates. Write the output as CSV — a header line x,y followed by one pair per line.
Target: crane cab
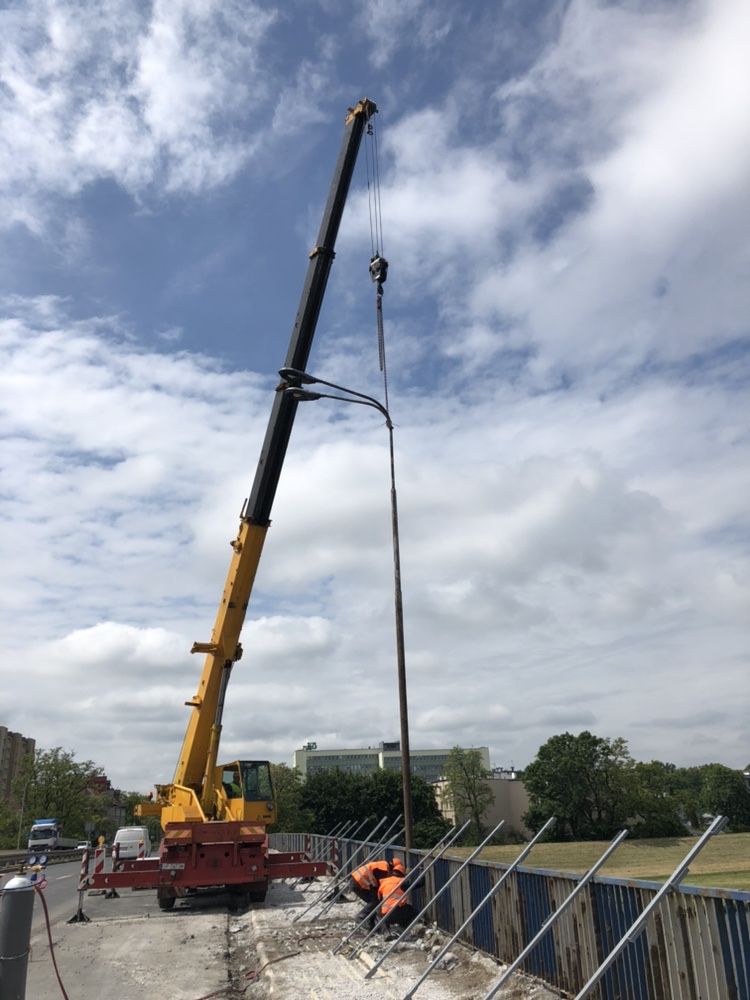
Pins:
x,y
244,791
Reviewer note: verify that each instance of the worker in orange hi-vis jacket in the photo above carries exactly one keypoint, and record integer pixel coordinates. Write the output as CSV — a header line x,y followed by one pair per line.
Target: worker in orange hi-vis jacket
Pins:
x,y
393,902
365,880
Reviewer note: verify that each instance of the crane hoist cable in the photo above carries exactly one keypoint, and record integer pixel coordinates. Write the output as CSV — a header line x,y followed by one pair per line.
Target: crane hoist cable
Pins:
x,y
378,262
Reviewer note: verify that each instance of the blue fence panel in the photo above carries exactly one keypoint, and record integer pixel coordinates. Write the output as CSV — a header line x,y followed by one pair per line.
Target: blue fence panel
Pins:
x,y
535,908
444,915
695,946
482,926
743,949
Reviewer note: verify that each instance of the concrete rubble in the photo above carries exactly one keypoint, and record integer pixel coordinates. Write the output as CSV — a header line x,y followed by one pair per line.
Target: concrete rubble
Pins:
x,y
297,964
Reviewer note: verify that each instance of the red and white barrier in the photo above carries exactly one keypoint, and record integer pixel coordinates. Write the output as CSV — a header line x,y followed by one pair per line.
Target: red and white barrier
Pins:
x,y
84,870
99,855
112,893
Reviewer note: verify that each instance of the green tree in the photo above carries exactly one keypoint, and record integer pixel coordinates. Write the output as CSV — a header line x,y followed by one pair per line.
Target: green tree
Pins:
x,y
688,782
386,796
130,800
9,819
723,792
427,832
291,817
585,781
58,785
469,793
334,797
659,800
429,824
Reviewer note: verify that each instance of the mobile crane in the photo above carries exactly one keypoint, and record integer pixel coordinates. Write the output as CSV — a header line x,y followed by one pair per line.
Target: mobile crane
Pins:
x,y
214,816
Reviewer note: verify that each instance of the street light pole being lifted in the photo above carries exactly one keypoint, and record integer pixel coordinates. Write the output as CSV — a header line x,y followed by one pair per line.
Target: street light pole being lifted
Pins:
x,y
294,379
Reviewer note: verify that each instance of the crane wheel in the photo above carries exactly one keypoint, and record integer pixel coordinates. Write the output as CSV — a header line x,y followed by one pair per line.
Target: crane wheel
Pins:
x,y
258,893
239,899
165,899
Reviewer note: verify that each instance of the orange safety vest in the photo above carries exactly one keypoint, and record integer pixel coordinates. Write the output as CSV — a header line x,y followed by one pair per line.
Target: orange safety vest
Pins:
x,y
364,875
389,885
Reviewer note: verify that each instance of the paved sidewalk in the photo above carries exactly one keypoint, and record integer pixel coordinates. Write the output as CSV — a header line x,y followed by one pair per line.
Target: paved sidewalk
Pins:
x,y
161,957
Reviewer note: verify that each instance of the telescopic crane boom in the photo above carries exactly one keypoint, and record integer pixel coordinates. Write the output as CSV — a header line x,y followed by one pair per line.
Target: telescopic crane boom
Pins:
x,y
193,789
214,817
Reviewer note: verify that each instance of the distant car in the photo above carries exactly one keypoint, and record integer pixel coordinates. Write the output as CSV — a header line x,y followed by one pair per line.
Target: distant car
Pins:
x,y
83,846
133,842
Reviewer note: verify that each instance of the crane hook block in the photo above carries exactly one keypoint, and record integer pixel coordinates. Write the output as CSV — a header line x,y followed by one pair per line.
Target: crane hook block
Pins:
x,y
378,269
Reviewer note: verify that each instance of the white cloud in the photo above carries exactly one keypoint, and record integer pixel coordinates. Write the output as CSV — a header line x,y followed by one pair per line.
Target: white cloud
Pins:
x,y
390,24
560,565
147,96
600,225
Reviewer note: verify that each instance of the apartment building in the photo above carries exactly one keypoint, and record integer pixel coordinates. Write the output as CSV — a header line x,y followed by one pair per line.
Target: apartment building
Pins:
x,y
13,749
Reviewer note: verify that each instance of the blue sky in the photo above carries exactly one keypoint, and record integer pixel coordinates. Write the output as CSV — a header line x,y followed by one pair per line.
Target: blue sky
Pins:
x,y
565,211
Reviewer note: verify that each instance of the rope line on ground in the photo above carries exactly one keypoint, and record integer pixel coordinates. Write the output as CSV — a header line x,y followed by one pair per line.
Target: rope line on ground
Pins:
x,y
40,893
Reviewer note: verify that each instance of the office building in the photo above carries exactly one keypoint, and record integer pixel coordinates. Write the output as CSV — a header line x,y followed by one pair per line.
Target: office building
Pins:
x,y
426,764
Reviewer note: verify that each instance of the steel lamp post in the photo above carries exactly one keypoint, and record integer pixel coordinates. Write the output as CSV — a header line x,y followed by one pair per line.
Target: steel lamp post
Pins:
x,y
295,380
20,818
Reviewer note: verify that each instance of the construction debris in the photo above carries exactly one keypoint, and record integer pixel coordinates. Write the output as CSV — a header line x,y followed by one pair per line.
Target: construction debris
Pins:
x,y
293,961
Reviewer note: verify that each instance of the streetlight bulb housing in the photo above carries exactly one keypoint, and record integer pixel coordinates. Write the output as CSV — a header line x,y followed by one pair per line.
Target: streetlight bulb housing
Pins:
x,y
301,395
295,377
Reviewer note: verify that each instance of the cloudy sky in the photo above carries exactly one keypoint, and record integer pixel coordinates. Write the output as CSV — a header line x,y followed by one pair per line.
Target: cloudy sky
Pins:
x,y
565,206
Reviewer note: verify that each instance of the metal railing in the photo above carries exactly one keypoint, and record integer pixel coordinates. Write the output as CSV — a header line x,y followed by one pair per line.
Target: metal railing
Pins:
x,y
15,861
695,945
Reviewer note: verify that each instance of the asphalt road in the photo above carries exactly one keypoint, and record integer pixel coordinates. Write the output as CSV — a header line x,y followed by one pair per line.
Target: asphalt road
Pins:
x,y
61,896
127,948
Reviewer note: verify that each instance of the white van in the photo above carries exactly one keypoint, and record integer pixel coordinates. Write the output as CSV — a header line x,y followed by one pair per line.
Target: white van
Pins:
x,y
133,842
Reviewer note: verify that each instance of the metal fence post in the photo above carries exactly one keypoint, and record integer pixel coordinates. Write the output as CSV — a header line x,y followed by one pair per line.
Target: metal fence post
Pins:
x,y
555,915
16,910
443,844
344,881
676,877
320,850
341,874
550,822
373,969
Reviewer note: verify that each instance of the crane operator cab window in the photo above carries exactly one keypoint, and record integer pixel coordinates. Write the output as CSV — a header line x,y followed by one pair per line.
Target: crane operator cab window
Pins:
x,y
230,780
256,780
249,780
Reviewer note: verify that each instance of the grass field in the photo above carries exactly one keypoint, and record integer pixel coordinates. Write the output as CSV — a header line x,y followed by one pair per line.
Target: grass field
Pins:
x,y
724,862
